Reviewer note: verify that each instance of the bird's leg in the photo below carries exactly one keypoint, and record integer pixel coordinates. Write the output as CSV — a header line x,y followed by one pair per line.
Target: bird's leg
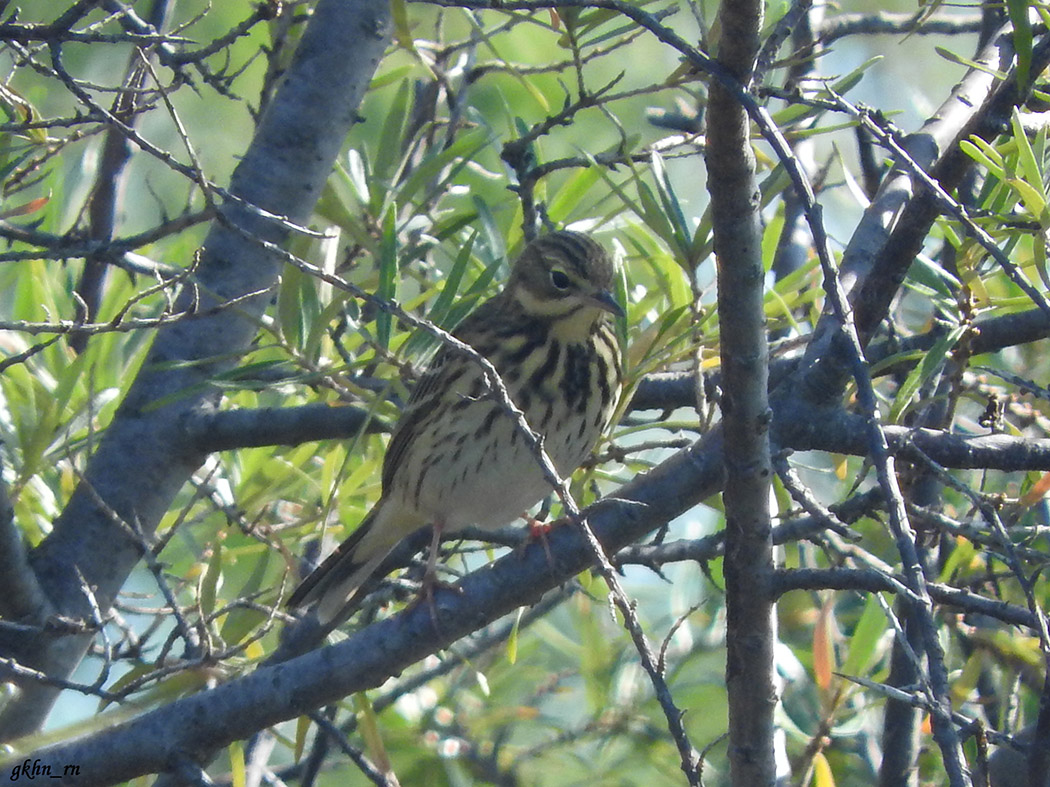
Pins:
x,y
537,527
430,579
538,531
430,573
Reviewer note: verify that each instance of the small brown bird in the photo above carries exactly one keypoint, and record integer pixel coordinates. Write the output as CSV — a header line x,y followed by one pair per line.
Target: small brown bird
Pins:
x,y
456,457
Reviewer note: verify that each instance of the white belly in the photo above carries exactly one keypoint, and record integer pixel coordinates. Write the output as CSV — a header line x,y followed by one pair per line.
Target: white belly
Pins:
x,y
494,476
469,462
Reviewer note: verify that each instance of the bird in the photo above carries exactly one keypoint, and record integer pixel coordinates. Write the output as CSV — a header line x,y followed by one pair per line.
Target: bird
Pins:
x,y
457,457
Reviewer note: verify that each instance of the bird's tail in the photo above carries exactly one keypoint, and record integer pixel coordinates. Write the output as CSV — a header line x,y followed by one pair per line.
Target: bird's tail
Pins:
x,y
334,583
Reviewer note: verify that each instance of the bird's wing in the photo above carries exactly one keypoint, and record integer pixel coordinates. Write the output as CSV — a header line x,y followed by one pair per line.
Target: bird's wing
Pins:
x,y
449,370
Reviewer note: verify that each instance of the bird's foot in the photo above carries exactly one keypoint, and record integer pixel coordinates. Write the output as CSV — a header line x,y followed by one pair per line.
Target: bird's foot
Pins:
x,y
538,532
427,586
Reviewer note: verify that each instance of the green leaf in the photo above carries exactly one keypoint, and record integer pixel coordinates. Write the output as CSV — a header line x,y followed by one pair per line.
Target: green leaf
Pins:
x,y
452,159
961,555
653,216
439,310
238,775
68,378
368,725
1017,10
930,364
482,284
595,649
388,157
211,580
1030,170
240,622
681,235
357,175
290,298
1033,199
394,75
864,643
491,232
442,311
340,205
167,689
930,273
445,228
302,730
318,326
984,154
568,198
402,26
952,57
512,639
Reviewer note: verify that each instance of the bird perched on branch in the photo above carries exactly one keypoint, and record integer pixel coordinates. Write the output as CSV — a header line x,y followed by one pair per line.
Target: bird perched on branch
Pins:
x,y
458,455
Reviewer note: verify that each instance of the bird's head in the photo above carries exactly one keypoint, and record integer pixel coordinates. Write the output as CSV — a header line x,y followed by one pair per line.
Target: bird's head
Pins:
x,y
566,278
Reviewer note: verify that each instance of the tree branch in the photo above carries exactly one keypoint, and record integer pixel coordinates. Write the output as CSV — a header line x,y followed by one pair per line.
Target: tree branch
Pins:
x,y
746,415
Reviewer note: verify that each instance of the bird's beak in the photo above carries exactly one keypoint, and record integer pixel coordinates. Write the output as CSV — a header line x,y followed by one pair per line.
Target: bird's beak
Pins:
x,y
606,301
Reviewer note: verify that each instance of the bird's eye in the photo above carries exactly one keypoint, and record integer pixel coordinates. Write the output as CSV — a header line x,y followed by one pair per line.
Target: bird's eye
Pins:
x,y
560,279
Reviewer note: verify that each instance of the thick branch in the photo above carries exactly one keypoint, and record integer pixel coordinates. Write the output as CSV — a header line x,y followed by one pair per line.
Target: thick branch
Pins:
x,y
232,429
827,430
237,709
748,564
